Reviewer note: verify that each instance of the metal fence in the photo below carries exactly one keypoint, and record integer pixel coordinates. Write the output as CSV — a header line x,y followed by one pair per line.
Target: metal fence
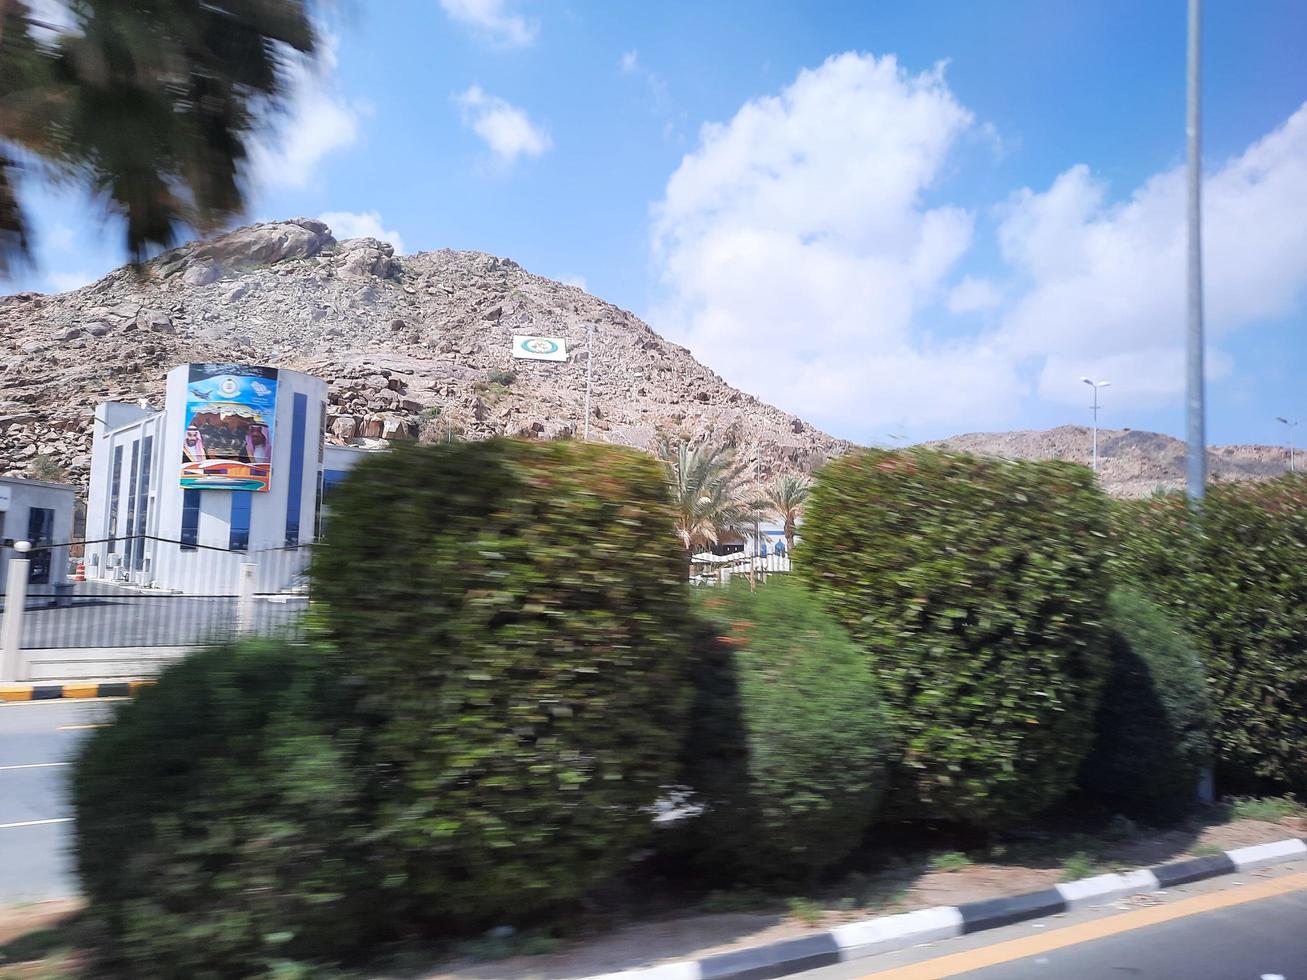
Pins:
x,y
191,595
723,567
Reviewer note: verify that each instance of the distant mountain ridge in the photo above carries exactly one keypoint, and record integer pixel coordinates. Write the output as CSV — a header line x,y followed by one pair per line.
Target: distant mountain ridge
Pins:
x,y
1132,462
418,346
415,346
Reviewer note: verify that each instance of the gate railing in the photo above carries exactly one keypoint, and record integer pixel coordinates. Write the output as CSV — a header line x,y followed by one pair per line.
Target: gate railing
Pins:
x,y
184,595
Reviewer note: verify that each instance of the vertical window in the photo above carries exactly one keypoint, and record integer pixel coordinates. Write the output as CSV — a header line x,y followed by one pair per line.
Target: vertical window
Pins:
x,y
190,519
143,502
133,474
295,482
238,538
40,531
115,483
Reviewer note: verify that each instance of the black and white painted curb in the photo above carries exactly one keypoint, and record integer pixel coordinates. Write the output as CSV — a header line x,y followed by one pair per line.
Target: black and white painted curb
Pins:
x,y
858,939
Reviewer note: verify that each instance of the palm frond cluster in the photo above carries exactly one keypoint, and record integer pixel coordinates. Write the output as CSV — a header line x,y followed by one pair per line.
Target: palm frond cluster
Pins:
x,y
706,485
152,106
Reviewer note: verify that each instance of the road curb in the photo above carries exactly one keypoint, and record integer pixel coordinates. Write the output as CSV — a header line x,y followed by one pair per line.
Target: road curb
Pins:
x,y
856,940
70,689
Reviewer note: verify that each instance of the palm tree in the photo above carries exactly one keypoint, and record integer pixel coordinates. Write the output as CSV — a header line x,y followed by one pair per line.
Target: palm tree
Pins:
x,y
704,486
153,107
785,498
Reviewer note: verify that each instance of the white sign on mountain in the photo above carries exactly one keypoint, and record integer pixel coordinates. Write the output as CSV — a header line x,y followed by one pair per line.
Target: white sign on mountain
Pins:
x,y
540,348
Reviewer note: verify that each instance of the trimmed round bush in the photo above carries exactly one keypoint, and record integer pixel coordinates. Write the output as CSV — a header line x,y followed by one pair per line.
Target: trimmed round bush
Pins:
x,y
218,827
788,747
517,614
1153,729
975,587
1234,576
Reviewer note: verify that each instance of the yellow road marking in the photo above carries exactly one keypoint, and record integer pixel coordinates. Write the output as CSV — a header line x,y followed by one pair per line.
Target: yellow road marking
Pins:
x,y
20,692
78,728
1017,949
81,690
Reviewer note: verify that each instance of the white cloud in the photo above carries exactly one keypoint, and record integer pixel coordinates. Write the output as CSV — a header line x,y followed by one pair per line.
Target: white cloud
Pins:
x,y
795,236
630,61
320,122
796,240
577,281
1105,283
493,20
506,129
62,282
361,224
972,294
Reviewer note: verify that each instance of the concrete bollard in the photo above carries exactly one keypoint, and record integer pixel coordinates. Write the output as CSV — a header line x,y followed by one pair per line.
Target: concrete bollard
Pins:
x,y
245,599
11,626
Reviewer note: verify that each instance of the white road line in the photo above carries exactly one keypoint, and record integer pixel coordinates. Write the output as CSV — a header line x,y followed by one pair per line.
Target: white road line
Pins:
x,y
33,765
34,823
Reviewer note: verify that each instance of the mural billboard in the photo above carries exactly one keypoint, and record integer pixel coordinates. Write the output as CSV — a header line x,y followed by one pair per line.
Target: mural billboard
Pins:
x,y
231,410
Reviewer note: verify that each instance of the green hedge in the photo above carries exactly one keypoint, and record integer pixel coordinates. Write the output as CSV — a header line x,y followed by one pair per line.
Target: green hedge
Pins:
x,y
976,587
218,826
1153,730
788,745
1236,577
518,613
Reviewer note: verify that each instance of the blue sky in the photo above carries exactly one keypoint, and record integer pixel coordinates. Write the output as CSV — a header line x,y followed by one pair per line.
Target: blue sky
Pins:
x,y
915,219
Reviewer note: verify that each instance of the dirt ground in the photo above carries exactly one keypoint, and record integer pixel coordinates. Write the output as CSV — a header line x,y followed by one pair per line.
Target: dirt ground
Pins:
x,y
1034,866
692,927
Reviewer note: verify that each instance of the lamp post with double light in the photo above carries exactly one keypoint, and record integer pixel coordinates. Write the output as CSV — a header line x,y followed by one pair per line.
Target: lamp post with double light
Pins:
x,y
1290,425
1096,385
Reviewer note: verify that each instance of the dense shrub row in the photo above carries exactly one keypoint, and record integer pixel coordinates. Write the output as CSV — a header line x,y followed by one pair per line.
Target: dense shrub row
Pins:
x,y
1235,577
1153,728
517,613
507,679
787,748
977,589
478,739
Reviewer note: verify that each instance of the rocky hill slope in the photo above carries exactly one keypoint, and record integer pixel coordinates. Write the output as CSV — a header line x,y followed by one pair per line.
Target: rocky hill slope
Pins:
x,y
413,346
1132,463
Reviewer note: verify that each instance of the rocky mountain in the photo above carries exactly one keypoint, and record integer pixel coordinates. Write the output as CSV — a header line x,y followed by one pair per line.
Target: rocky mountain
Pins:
x,y
1131,463
414,347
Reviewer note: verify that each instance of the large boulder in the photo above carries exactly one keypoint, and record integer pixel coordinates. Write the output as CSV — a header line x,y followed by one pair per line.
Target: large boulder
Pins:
x,y
368,257
254,245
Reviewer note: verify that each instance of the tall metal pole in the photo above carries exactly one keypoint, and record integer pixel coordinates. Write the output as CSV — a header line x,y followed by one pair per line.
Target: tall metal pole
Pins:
x,y
1095,385
1195,408
1289,425
589,358
1095,428
1196,423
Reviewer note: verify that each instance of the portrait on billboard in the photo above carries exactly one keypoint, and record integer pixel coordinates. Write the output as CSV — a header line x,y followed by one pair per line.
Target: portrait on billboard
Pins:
x,y
231,411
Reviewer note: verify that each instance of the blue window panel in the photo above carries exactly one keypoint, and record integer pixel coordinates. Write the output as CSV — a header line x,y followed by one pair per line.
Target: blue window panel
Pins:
x,y
190,535
331,479
143,502
132,479
239,537
295,481
114,484
40,531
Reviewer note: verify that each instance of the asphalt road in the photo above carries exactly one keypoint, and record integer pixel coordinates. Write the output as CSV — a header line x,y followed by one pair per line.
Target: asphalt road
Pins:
x,y
37,740
1267,938
1238,927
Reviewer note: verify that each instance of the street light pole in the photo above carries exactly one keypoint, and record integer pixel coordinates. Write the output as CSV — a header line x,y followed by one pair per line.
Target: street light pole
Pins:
x,y
1096,385
1196,421
589,358
1289,425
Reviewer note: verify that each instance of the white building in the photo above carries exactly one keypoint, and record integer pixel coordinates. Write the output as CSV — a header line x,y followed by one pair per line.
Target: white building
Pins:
x,y
41,513
231,470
